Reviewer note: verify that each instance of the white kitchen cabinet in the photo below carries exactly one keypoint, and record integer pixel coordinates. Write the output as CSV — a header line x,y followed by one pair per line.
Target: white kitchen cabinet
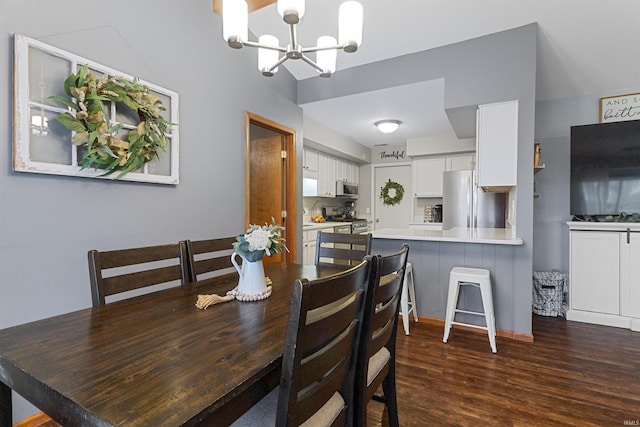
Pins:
x,y
347,171
460,162
326,175
497,144
630,275
310,160
595,271
355,173
343,170
309,246
427,176
604,277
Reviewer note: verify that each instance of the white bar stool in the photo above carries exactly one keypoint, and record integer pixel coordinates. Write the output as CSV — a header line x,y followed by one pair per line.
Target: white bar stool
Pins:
x,y
477,277
408,299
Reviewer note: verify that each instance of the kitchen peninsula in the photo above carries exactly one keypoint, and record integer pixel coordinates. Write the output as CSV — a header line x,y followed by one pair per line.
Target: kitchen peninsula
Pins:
x,y
433,253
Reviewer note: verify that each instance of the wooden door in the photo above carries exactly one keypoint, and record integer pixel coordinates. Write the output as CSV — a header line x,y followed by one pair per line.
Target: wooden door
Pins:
x,y
270,179
267,183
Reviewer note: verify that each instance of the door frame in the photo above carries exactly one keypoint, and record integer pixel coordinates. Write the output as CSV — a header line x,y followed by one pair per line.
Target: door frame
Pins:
x,y
291,202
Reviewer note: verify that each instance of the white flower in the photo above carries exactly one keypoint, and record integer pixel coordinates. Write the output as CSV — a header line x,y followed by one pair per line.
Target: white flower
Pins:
x,y
259,239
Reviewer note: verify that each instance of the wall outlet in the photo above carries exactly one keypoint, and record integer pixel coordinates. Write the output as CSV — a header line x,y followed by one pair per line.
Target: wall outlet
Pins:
x,y
367,210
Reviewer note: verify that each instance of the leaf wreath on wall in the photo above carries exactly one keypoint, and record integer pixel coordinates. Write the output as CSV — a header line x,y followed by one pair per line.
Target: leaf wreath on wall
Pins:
x,y
392,193
105,144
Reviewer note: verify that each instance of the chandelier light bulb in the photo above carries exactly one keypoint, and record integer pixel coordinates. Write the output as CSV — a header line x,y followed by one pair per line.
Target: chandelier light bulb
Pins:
x,y
291,10
235,22
350,25
326,59
267,57
388,126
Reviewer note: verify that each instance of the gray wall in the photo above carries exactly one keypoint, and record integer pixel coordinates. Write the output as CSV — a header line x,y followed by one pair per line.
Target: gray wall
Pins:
x,y
551,211
48,223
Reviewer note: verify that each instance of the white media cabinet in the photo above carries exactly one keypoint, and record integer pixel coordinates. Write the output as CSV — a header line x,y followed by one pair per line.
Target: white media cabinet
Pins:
x,y
604,276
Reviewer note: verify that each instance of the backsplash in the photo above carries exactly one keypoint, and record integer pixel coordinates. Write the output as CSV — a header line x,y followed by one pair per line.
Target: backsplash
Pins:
x,y
313,206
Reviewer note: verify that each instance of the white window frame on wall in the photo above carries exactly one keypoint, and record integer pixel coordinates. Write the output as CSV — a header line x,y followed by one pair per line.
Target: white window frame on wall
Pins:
x,y
22,126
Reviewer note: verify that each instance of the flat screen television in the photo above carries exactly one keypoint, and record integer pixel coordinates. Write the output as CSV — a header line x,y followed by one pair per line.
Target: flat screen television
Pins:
x,y
605,169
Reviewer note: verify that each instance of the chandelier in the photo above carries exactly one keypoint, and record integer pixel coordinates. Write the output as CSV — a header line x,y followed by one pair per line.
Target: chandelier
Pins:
x,y
235,32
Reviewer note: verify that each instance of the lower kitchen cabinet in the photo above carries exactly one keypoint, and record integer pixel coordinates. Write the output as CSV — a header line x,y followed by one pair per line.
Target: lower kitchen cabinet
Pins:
x,y
309,246
604,277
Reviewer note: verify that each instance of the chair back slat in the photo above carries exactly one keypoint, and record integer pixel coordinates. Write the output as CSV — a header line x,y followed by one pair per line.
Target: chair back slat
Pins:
x,y
117,271
140,279
209,258
340,248
322,330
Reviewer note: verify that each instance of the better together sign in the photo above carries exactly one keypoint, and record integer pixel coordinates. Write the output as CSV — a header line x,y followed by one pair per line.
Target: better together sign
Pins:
x,y
620,108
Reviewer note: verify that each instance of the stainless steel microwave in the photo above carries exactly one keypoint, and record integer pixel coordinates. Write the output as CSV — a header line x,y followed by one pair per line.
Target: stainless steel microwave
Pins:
x,y
346,189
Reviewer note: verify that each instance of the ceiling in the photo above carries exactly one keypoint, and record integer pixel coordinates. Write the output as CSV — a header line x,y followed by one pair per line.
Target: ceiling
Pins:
x,y
584,47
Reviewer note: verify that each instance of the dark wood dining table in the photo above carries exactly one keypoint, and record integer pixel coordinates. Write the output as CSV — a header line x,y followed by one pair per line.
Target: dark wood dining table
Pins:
x,y
155,359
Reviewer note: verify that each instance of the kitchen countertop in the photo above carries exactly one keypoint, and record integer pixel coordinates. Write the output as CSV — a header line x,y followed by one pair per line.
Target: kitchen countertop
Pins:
x,y
307,226
494,236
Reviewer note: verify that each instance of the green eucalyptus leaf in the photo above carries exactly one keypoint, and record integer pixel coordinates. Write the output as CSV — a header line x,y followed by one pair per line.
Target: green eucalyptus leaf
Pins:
x,y
65,101
69,82
129,102
70,122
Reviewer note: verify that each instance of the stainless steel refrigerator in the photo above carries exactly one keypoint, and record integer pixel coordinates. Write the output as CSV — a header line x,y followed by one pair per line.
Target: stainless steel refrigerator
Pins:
x,y
466,205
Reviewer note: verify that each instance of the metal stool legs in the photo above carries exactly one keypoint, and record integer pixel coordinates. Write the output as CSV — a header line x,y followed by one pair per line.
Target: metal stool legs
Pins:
x,y
476,277
408,299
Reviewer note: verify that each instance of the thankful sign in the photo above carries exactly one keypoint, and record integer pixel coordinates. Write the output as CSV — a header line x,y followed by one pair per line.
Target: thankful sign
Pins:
x,y
620,108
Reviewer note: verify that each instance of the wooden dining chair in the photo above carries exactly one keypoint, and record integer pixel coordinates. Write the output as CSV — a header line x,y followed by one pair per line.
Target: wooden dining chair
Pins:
x,y
135,268
209,258
339,248
377,353
319,360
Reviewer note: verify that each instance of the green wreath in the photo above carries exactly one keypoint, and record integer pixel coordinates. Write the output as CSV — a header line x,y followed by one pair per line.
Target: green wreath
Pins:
x,y
387,198
106,147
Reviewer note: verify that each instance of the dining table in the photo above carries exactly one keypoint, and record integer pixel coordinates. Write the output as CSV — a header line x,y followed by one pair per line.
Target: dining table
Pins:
x,y
153,359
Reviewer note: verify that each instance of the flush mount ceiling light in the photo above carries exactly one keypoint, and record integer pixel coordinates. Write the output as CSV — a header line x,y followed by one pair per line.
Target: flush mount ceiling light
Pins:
x,y
388,126
235,32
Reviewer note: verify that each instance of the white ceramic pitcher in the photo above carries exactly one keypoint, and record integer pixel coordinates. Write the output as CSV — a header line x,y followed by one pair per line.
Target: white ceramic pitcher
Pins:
x,y
252,279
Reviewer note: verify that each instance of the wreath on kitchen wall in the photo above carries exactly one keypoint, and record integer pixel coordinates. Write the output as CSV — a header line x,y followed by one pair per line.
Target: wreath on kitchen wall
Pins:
x,y
392,193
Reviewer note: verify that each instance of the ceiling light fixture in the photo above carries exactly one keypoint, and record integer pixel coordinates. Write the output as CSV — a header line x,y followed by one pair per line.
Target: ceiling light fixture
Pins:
x,y
388,126
235,30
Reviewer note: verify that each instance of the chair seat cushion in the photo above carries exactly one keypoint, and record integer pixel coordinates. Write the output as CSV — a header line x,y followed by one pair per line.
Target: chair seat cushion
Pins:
x,y
376,363
263,413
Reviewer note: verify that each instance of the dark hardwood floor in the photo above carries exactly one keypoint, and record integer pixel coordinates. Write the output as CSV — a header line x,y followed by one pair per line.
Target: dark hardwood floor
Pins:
x,y
573,374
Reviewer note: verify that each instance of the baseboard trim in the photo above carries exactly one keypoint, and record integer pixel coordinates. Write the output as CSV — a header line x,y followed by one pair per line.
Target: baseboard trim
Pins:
x,y
503,333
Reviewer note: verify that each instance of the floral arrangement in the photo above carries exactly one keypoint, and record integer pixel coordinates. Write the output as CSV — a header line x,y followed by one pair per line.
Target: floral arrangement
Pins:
x,y
260,240
106,145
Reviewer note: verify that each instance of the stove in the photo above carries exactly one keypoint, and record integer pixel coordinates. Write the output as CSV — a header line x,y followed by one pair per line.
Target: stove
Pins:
x,y
338,214
359,225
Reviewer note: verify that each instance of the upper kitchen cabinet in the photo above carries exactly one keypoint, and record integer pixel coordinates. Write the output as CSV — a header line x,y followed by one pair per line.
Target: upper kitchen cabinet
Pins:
x,y
347,171
427,176
310,162
497,144
326,176
460,162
